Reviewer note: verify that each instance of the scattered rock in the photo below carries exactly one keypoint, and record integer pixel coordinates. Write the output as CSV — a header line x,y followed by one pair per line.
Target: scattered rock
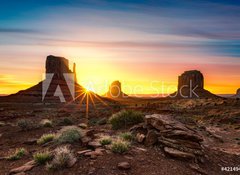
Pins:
x,y
217,137
2,123
90,133
94,144
83,125
22,173
140,137
85,140
196,168
46,123
71,162
124,166
26,167
94,154
30,141
83,152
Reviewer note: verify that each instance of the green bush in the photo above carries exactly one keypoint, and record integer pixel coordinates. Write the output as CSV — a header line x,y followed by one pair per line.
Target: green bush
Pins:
x,y
45,138
120,146
42,157
126,136
125,118
69,136
67,121
18,154
106,141
27,125
63,157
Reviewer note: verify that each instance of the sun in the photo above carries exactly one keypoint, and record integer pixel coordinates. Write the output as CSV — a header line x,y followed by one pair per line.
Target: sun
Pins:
x,y
88,89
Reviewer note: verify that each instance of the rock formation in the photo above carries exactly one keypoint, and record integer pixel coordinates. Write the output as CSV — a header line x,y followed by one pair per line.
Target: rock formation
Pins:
x,y
192,78
57,66
115,90
176,139
59,85
191,85
237,94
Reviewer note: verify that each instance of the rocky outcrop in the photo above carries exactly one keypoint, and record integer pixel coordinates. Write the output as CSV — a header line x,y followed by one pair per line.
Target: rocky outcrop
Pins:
x,y
191,85
192,78
237,94
115,90
57,66
59,86
176,139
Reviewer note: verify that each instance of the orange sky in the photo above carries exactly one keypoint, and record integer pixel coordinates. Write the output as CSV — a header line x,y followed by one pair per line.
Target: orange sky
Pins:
x,y
143,45
96,71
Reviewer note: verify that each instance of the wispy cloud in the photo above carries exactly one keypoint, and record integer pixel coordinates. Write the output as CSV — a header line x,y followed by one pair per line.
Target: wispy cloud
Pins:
x,y
18,30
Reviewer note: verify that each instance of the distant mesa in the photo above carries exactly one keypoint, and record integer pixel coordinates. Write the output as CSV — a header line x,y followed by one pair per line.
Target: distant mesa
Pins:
x,y
191,85
115,90
237,95
58,76
238,92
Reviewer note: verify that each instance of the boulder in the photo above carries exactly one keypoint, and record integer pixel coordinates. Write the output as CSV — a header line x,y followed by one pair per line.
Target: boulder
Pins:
x,y
140,137
124,165
177,139
151,138
94,144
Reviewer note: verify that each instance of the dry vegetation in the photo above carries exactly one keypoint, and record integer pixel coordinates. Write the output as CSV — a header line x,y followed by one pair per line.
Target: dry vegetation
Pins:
x,y
61,139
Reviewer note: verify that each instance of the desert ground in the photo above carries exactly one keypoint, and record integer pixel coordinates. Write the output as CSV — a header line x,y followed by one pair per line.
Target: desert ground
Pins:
x,y
216,121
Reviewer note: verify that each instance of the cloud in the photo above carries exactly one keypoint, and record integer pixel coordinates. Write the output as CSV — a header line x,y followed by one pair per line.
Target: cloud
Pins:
x,y
18,30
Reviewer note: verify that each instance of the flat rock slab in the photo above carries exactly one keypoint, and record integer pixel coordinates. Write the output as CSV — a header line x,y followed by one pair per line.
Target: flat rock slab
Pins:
x,y
178,154
94,144
124,166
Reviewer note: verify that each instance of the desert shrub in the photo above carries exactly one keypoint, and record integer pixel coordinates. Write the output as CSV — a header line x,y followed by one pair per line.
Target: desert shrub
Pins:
x,y
120,146
69,135
42,157
18,154
66,122
46,123
45,138
125,118
106,141
63,157
26,125
126,136
93,121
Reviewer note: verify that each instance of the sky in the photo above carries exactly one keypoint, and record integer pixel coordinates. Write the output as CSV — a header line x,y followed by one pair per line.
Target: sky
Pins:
x,y
145,44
